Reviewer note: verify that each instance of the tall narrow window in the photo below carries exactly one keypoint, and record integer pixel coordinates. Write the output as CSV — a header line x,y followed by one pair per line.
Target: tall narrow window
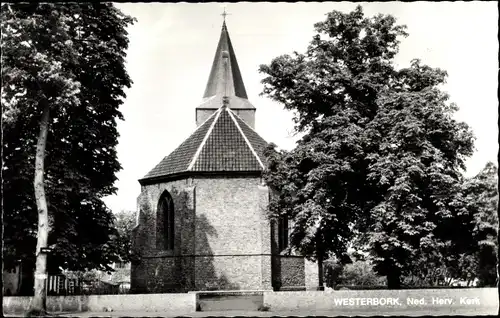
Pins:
x,y
165,223
283,233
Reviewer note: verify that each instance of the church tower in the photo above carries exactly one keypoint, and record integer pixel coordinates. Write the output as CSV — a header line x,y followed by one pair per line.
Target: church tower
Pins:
x,y
201,221
225,81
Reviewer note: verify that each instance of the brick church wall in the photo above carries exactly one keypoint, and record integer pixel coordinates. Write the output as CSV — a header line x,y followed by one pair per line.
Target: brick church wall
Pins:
x,y
164,271
222,240
222,237
292,272
232,225
288,270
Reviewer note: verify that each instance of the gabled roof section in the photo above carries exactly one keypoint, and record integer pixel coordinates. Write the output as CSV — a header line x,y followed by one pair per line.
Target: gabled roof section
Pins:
x,y
257,142
179,159
217,84
223,143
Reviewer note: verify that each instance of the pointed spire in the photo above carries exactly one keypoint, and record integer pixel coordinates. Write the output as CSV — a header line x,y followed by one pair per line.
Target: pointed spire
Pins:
x,y
225,80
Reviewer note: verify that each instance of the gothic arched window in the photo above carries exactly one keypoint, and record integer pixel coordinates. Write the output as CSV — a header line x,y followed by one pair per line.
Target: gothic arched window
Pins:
x,y
282,233
165,223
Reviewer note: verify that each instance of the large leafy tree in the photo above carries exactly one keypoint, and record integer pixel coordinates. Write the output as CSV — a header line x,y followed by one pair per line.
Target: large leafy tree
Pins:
x,y
380,152
332,89
63,79
472,234
418,168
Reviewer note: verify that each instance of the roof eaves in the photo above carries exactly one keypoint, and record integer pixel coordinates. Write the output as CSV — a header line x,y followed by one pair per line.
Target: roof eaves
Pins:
x,y
191,174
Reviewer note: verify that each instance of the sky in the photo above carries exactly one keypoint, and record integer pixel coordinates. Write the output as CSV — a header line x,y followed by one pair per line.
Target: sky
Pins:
x,y
172,46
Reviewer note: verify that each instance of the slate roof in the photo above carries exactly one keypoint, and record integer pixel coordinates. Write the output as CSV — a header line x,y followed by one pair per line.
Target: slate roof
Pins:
x,y
217,84
223,143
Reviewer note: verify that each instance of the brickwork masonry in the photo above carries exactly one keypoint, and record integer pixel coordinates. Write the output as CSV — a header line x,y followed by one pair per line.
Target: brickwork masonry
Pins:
x,y
222,237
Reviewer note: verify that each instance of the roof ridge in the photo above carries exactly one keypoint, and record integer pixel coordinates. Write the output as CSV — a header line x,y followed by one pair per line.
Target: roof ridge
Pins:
x,y
183,142
203,123
255,131
194,131
205,138
245,138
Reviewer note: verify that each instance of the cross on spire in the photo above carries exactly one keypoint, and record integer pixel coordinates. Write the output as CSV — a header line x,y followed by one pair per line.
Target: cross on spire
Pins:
x,y
225,76
224,14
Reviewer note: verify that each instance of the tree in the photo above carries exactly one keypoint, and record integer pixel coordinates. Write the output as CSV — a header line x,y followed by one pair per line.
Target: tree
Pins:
x,y
418,166
125,222
380,152
472,249
63,79
332,90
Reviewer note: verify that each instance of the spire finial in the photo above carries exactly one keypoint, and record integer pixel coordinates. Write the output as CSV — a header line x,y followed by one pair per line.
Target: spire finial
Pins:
x,y
225,76
224,14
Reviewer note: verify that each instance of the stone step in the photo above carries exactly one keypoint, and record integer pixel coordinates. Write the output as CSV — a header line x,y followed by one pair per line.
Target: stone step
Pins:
x,y
218,302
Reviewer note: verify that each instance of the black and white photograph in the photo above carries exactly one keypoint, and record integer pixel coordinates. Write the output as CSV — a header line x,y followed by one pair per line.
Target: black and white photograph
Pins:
x,y
260,159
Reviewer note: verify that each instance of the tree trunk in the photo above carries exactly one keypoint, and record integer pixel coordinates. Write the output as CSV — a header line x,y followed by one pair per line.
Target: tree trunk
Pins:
x,y
38,305
394,280
320,271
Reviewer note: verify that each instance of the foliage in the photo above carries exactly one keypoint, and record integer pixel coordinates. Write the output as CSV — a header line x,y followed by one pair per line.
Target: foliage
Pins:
x,y
70,56
472,247
124,223
332,89
332,272
417,167
381,155
358,272
467,246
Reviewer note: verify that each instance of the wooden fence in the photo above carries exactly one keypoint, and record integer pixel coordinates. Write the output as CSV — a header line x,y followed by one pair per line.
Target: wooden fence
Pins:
x,y
60,285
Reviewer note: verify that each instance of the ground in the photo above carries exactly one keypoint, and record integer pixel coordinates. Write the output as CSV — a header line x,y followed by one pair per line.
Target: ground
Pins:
x,y
469,311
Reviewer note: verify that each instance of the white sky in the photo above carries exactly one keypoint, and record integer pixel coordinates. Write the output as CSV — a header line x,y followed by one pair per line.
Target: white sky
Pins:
x,y
172,47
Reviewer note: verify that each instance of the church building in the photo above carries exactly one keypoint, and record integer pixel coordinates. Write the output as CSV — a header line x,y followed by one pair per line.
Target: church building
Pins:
x,y
202,221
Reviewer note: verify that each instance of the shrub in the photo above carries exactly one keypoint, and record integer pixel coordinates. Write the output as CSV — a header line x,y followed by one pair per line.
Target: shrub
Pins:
x,y
358,273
